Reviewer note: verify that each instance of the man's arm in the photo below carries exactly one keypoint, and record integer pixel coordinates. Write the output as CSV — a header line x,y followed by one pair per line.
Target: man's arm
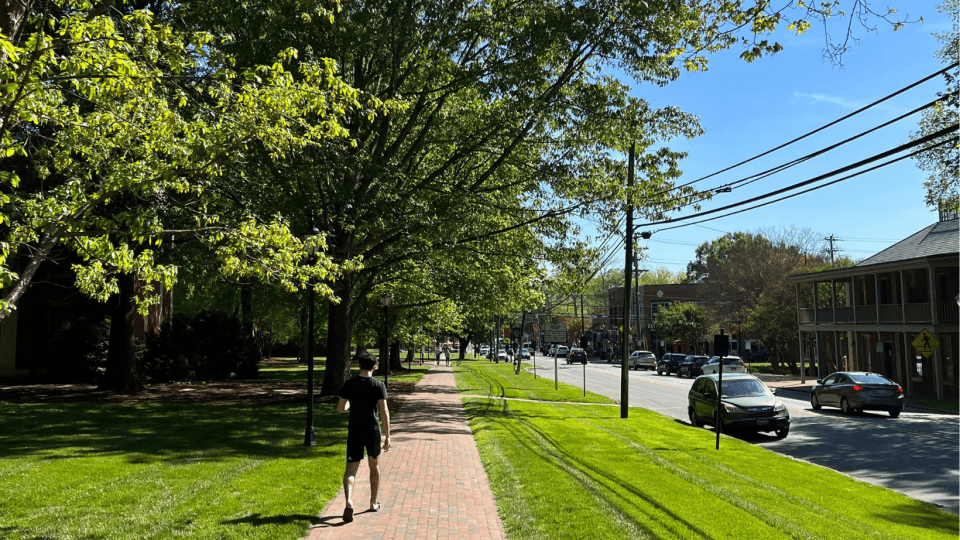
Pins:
x,y
343,406
385,420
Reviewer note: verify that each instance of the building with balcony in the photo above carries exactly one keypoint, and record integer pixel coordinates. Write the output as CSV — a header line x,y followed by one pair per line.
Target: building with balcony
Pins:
x,y
895,313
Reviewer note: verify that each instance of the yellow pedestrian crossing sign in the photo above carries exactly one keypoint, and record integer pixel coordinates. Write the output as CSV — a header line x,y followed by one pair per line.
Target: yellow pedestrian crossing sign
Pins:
x,y
925,343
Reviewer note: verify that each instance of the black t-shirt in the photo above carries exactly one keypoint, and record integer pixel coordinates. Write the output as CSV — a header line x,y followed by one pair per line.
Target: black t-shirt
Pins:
x,y
364,394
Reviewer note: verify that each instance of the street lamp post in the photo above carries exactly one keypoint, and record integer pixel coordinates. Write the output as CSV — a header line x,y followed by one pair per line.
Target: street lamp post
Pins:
x,y
309,241
384,349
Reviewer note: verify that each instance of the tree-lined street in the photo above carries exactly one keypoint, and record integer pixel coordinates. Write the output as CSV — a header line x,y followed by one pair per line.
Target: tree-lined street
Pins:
x,y
915,454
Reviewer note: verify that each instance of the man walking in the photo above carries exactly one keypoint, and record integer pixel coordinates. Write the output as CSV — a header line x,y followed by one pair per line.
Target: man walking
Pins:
x,y
363,396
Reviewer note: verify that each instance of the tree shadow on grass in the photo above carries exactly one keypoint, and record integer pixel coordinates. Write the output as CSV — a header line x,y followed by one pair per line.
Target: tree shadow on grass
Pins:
x,y
152,432
258,520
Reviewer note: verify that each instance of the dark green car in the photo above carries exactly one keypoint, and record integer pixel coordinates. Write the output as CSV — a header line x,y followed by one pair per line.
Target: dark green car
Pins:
x,y
747,405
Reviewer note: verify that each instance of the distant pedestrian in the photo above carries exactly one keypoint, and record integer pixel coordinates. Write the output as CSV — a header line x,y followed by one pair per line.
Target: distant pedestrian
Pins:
x,y
446,355
363,396
438,356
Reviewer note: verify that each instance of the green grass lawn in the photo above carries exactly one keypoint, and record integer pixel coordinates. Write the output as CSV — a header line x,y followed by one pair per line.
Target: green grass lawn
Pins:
x,y
580,471
149,470
484,378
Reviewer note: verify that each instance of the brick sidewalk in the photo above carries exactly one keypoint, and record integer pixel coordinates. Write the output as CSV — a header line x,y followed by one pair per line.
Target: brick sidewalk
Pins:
x,y
432,484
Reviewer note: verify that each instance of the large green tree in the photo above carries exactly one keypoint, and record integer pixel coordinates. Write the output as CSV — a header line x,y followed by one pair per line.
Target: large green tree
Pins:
x,y
119,134
514,123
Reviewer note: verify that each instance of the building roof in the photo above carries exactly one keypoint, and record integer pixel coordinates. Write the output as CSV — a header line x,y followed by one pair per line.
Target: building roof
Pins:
x,y
938,240
941,238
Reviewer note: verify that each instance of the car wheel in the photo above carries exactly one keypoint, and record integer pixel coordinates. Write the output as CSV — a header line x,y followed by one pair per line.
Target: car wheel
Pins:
x,y
782,433
895,412
693,418
814,402
845,406
659,372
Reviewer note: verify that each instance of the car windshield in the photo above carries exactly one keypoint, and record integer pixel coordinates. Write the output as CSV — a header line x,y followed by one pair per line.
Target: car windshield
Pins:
x,y
743,388
869,378
732,362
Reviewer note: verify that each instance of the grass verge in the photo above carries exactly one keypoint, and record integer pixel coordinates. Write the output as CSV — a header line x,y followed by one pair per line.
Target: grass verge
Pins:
x,y
569,470
485,378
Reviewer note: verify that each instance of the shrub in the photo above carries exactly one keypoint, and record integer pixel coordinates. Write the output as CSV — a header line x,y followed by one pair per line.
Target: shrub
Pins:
x,y
212,345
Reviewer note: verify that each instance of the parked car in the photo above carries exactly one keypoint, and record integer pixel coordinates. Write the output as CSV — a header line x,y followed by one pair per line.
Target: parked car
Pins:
x,y
746,405
731,364
692,366
855,391
562,351
669,363
577,355
484,350
643,360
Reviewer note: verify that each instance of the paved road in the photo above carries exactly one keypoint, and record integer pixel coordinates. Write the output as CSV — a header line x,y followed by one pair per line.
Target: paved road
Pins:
x,y
917,454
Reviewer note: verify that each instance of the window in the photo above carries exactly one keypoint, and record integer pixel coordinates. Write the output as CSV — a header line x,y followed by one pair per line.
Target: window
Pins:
x,y
744,388
870,379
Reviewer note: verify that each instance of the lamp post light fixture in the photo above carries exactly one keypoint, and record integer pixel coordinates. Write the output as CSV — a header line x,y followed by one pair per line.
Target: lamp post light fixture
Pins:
x,y
384,351
309,238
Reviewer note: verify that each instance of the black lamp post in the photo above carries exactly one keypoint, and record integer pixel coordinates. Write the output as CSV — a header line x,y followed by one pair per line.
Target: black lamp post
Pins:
x,y
385,350
309,242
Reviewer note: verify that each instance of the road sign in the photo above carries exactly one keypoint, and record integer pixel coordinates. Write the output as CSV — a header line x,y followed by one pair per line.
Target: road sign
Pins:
x,y
925,343
554,332
721,345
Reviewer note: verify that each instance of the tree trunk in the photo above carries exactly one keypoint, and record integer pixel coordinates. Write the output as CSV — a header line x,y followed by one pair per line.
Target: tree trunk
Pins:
x,y
121,373
339,330
40,254
410,356
395,355
462,341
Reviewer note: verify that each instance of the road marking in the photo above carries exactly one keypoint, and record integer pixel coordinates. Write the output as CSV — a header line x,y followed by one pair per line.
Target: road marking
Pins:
x,y
864,421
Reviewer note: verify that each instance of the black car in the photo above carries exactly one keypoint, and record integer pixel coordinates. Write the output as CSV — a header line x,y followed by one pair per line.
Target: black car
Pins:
x,y
691,366
670,363
577,355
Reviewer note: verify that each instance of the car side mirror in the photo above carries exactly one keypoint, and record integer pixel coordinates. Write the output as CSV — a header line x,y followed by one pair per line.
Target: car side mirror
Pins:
x,y
819,381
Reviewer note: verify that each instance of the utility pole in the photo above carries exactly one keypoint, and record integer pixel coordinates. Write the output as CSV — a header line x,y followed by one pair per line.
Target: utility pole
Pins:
x,y
832,250
627,278
636,295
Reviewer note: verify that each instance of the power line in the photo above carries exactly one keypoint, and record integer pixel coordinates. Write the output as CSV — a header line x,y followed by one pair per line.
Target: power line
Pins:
x,y
780,168
953,140
804,136
897,150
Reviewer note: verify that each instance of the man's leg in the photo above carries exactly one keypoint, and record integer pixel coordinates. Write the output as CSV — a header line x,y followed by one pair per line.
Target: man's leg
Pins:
x,y
374,480
349,479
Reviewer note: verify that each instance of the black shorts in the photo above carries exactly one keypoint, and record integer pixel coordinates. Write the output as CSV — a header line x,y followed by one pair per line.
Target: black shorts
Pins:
x,y
357,442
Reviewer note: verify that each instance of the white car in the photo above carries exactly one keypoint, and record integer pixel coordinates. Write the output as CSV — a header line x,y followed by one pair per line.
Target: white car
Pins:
x,y
643,360
731,364
562,351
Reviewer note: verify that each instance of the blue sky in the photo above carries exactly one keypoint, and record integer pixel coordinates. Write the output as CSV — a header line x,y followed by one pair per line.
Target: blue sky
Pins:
x,y
747,109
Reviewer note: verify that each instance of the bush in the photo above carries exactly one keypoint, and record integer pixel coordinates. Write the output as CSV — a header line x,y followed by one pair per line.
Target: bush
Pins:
x,y
212,345
79,353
